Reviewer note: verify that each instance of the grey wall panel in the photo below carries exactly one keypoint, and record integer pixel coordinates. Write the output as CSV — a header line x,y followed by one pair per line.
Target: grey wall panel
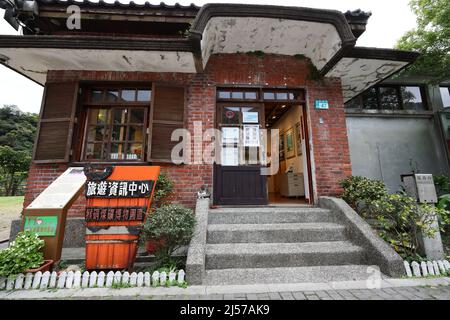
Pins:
x,y
381,147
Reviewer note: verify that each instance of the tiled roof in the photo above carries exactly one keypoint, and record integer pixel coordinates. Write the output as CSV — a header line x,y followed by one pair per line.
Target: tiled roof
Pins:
x,y
131,4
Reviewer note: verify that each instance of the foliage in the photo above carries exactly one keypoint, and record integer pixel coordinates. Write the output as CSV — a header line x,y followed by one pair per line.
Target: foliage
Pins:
x,y
17,128
257,53
14,166
17,132
430,38
174,225
442,184
23,253
361,192
163,189
403,222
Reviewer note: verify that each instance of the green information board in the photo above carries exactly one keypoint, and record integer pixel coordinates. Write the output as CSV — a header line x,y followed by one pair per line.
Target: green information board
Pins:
x,y
42,226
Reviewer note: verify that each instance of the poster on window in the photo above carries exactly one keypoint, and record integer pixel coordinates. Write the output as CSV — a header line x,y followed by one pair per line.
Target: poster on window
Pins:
x,y
230,156
251,136
250,117
230,135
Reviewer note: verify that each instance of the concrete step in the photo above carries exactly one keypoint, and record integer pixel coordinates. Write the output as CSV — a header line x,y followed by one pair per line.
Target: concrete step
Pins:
x,y
275,233
273,255
269,215
316,274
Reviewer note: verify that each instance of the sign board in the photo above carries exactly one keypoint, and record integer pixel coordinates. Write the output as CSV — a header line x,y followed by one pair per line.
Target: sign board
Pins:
x,y
321,104
119,189
42,225
117,214
420,187
425,188
61,191
116,207
250,117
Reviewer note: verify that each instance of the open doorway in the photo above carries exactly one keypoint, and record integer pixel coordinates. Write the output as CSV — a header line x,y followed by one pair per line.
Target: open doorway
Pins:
x,y
291,184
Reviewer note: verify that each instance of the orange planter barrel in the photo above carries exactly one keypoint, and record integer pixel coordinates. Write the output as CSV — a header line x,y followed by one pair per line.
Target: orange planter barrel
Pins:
x,y
113,224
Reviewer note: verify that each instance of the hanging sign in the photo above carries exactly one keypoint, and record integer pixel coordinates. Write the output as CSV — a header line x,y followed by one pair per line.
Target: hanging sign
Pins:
x,y
321,104
251,136
250,117
41,225
118,189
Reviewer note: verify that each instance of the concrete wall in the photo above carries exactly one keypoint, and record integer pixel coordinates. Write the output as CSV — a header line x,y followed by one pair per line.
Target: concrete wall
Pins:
x,y
381,147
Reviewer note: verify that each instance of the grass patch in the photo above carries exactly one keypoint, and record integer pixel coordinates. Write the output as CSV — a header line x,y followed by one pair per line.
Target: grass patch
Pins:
x,y
11,204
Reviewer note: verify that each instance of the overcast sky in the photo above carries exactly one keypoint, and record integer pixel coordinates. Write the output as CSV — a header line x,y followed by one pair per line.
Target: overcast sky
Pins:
x,y
390,20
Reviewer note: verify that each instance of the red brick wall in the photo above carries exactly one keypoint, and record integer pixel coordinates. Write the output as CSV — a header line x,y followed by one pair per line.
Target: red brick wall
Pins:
x,y
329,140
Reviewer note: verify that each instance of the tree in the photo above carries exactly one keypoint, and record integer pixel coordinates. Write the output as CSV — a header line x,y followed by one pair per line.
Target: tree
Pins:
x,y
14,167
17,128
431,38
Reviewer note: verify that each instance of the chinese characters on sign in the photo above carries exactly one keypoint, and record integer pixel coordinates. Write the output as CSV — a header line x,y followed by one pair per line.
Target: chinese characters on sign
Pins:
x,y
42,226
109,214
118,189
426,188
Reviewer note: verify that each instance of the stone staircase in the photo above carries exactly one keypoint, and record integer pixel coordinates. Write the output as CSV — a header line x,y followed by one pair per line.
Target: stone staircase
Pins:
x,y
279,245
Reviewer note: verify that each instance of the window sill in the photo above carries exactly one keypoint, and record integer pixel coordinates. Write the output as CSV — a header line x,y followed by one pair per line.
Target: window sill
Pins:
x,y
388,113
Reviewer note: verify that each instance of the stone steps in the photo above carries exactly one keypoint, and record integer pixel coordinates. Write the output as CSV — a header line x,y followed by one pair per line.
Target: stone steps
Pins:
x,y
273,255
315,274
275,233
269,215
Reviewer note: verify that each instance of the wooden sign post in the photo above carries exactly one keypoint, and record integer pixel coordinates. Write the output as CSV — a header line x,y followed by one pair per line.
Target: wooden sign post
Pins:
x,y
116,209
46,215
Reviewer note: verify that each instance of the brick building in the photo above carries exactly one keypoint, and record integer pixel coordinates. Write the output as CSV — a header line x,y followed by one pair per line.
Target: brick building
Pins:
x,y
118,86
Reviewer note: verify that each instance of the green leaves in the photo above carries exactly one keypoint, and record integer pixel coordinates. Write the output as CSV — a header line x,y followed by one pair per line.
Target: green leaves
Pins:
x,y
430,38
401,221
22,254
174,225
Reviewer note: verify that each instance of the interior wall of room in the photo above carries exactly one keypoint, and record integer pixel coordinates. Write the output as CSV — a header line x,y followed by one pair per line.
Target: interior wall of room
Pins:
x,y
288,120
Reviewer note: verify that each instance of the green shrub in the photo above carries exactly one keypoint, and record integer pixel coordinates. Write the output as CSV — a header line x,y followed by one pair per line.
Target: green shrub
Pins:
x,y
25,252
361,192
174,225
442,184
163,189
403,221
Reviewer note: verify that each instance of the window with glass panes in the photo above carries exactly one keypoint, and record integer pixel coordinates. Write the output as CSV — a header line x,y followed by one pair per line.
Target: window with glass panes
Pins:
x,y
390,97
116,124
445,96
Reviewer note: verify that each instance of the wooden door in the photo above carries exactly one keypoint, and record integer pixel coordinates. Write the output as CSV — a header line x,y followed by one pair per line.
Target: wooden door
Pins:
x,y
237,172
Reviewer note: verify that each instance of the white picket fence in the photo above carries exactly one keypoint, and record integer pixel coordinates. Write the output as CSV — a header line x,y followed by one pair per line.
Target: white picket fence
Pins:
x,y
428,268
51,280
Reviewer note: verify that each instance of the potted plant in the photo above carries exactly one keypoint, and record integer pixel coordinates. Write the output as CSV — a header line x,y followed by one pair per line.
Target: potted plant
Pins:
x,y
163,190
23,255
174,226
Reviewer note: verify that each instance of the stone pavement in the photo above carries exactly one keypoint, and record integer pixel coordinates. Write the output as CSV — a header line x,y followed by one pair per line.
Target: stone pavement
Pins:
x,y
389,289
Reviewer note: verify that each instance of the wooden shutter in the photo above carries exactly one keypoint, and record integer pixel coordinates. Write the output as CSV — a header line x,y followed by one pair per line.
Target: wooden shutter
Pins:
x,y
54,137
166,115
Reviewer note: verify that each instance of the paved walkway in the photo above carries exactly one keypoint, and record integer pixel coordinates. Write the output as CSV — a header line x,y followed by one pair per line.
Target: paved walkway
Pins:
x,y
390,289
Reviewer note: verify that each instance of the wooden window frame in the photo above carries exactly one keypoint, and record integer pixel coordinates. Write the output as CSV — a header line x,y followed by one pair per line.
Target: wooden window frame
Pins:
x,y
111,105
260,94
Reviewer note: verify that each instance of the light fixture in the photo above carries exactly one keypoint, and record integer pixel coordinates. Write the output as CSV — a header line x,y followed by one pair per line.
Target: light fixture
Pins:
x,y
283,106
274,117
